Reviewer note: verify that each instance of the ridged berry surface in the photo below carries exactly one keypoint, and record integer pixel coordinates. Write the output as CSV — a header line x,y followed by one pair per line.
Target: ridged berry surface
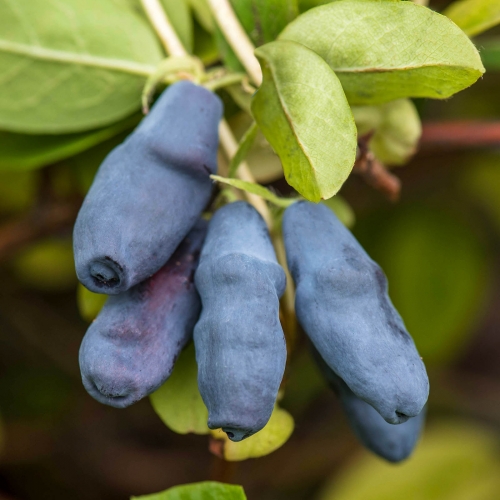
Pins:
x,y
240,346
391,442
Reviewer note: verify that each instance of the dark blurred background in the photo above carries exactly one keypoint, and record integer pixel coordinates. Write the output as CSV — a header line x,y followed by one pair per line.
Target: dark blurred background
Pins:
x,y
439,246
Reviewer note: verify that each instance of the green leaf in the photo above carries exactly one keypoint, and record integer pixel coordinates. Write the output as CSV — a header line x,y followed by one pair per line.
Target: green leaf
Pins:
x,y
397,129
27,152
303,113
178,402
179,15
257,189
455,461
69,66
89,303
207,490
274,435
383,51
244,146
264,20
474,16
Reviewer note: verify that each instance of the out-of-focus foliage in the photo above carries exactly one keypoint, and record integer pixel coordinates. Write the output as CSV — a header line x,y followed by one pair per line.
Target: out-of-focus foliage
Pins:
x,y
474,16
482,184
17,191
437,272
455,461
47,265
34,393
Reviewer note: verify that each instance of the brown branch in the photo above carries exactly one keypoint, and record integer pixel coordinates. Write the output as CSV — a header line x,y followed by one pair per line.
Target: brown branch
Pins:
x,y
44,220
373,171
459,135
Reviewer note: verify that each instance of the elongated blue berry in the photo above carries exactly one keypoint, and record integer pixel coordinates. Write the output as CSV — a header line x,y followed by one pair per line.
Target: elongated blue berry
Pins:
x,y
392,442
343,306
240,346
131,348
149,191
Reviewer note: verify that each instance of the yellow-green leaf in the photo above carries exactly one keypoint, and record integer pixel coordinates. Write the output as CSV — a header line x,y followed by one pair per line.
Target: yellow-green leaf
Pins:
x,y
72,65
178,402
303,113
396,126
383,51
274,435
474,16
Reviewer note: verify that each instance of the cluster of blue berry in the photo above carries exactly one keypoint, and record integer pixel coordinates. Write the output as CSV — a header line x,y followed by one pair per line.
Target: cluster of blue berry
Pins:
x,y
172,276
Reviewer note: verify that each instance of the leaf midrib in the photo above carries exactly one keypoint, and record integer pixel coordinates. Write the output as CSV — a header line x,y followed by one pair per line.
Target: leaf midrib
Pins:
x,y
394,69
60,56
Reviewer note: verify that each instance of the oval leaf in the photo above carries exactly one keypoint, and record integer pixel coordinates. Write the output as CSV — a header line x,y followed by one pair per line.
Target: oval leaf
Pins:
x,y
178,402
474,16
69,66
396,126
387,50
207,490
303,113
274,435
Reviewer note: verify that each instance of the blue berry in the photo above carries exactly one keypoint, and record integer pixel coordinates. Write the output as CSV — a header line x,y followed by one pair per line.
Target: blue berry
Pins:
x,y
343,305
149,191
131,348
240,346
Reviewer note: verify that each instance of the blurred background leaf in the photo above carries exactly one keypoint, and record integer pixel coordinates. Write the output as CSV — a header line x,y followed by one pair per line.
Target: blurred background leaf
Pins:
x,y
436,266
474,16
454,461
